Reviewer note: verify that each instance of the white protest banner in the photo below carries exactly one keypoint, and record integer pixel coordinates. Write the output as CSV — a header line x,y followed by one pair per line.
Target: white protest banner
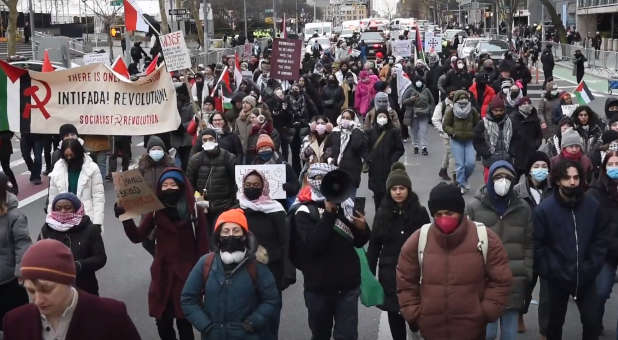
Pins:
x,y
175,51
275,174
433,41
98,102
93,58
402,48
567,110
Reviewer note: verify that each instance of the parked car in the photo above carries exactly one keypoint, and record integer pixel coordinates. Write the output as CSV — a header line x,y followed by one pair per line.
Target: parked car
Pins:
x,y
375,42
468,45
450,34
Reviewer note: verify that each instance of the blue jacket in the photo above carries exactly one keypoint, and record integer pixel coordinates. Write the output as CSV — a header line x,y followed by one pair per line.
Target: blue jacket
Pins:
x,y
229,301
570,242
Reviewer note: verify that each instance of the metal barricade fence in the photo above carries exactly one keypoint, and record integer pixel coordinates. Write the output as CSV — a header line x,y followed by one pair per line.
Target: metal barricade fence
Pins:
x,y
600,59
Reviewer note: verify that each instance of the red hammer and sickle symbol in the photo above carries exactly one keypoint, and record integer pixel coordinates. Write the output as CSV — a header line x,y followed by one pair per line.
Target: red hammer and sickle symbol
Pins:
x,y
39,104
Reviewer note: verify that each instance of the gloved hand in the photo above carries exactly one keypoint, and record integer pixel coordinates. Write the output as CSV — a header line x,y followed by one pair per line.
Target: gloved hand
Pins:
x,y
118,210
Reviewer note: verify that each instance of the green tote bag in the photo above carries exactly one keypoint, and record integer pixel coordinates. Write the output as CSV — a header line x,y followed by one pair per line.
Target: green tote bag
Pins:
x,y
371,291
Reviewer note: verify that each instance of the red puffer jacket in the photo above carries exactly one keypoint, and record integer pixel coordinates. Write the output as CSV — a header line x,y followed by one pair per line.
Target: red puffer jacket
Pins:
x,y
487,97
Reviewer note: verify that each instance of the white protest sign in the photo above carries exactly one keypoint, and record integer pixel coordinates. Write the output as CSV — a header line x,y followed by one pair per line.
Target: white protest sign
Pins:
x,y
567,110
93,58
433,41
275,175
402,48
175,51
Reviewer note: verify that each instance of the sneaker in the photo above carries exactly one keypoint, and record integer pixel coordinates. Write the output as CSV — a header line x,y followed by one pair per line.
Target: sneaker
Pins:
x,y
443,174
462,190
467,186
416,150
425,152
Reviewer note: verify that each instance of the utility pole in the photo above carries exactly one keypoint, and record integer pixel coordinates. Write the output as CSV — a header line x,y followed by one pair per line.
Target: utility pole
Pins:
x,y
296,16
244,4
274,19
314,10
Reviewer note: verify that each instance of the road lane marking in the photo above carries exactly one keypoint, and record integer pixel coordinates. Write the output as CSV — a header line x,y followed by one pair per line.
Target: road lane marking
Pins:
x,y
24,202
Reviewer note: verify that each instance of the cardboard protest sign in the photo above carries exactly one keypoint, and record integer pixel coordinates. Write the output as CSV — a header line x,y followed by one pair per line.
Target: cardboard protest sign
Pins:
x,y
98,102
433,42
93,58
134,194
402,48
567,110
175,51
275,174
285,59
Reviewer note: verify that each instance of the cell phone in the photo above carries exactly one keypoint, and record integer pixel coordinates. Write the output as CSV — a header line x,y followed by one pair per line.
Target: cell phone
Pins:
x,y
359,204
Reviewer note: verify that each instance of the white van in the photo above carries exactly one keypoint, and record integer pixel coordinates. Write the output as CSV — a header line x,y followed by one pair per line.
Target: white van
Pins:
x,y
318,27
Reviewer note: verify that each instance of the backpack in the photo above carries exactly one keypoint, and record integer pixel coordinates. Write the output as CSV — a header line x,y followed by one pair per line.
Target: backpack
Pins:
x,y
251,268
482,245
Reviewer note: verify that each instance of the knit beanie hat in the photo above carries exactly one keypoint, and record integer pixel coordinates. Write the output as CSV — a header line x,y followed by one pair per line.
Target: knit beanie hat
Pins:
x,y
496,103
446,197
461,94
66,129
69,196
571,137
264,140
49,260
398,176
232,216
209,132
538,156
380,86
155,141
250,100
381,101
173,174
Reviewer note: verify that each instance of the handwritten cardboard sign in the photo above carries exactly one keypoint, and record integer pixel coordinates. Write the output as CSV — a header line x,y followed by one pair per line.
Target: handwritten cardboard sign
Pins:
x,y
93,58
134,194
175,51
275,175
568,110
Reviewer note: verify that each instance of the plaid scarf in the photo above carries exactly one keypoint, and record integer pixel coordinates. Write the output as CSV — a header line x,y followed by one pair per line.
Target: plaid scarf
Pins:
x,y
62,221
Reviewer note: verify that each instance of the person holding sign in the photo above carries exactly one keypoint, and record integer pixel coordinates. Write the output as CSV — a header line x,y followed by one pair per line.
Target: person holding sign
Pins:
x,y
180,232
77,173
69,224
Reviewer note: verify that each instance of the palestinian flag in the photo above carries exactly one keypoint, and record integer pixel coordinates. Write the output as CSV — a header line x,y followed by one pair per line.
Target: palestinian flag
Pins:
x,y
224,90
419,45
237,72
13,82
583,93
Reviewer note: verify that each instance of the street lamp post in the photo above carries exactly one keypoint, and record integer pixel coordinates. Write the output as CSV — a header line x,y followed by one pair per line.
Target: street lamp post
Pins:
x,y
244,4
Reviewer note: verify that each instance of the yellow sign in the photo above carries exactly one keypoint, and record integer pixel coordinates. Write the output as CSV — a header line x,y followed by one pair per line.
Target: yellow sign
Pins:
x,y
268,20
113,32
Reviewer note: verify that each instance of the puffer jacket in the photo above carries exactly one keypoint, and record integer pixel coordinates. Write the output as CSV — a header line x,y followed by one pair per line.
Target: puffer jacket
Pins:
x,y
381,157
460,129
453,267
231,299
392,226
216,175
514,228
353,155
364,92
90,188
488,95
570,242
417,104
88,250
14,240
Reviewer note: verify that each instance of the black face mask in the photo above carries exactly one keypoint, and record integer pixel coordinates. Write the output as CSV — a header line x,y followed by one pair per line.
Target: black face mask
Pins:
x,y
252,193
170,197
231,244
572,193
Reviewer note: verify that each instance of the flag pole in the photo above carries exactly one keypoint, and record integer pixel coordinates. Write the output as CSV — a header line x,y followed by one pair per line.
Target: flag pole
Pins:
x,y
149,24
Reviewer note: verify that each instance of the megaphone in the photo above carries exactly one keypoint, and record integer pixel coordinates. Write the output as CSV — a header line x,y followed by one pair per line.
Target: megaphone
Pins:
x,y
336,186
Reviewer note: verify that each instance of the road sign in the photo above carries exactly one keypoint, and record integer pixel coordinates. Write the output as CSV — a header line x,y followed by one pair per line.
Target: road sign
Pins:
x,y
178,11
115,3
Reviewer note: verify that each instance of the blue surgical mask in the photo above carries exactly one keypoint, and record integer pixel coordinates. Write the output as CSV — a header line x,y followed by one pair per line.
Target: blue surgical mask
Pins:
x,y
156,155
539,174
612,172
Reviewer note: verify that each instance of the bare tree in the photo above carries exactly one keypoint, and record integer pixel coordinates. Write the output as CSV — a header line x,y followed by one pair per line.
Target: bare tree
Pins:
x,y
164,26
108,14
194,8
12,25
555,20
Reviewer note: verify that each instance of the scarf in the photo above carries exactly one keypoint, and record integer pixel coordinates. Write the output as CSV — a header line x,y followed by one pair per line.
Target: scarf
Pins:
x,y
571,156
514,102
493,133
61,221
344,137
307,194
462,112
264,203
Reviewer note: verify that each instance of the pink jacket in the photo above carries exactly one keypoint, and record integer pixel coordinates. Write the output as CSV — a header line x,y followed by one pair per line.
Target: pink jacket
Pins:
x,y
364,92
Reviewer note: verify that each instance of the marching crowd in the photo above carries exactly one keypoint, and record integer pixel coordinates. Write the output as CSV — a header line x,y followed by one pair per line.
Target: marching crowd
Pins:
x,y
547,212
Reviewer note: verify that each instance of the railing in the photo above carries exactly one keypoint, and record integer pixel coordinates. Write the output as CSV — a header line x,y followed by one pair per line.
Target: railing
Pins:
x,y
595,3
599,59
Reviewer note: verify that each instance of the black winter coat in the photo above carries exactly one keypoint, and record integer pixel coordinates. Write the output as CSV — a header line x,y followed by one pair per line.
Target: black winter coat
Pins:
x,y
272,233
482,145
353,156
391,228
547,58
460,80
609,206
382,157
432,81
88,250
332,100
527,137
570,241
216,175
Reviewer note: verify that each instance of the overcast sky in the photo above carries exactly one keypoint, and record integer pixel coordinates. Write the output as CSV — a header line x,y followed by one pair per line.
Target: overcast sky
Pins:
x,y
382,5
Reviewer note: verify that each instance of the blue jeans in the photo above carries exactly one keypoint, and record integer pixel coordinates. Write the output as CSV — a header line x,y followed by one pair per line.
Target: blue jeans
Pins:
x,y
508,326
605,283
341,307
465,158
100,157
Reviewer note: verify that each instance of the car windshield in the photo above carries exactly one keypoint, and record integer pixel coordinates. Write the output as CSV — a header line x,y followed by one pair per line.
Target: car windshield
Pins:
x,y
493,46
371,36
347,32
451,33
471,43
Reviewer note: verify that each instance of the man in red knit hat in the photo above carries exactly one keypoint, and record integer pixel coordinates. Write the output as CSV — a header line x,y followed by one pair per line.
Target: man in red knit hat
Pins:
x,y
58,310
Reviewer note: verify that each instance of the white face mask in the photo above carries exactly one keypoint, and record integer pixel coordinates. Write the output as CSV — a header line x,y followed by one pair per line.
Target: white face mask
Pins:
x,y
156,155
346,123
382,121
388,90
209,146
502,186
418,84
460,66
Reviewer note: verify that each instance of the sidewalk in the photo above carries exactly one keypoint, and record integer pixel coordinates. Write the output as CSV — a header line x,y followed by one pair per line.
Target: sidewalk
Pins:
x,y
596,79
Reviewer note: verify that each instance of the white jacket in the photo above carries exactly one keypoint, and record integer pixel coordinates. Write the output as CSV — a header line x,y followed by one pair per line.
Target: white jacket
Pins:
x,y
438,116
89,187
